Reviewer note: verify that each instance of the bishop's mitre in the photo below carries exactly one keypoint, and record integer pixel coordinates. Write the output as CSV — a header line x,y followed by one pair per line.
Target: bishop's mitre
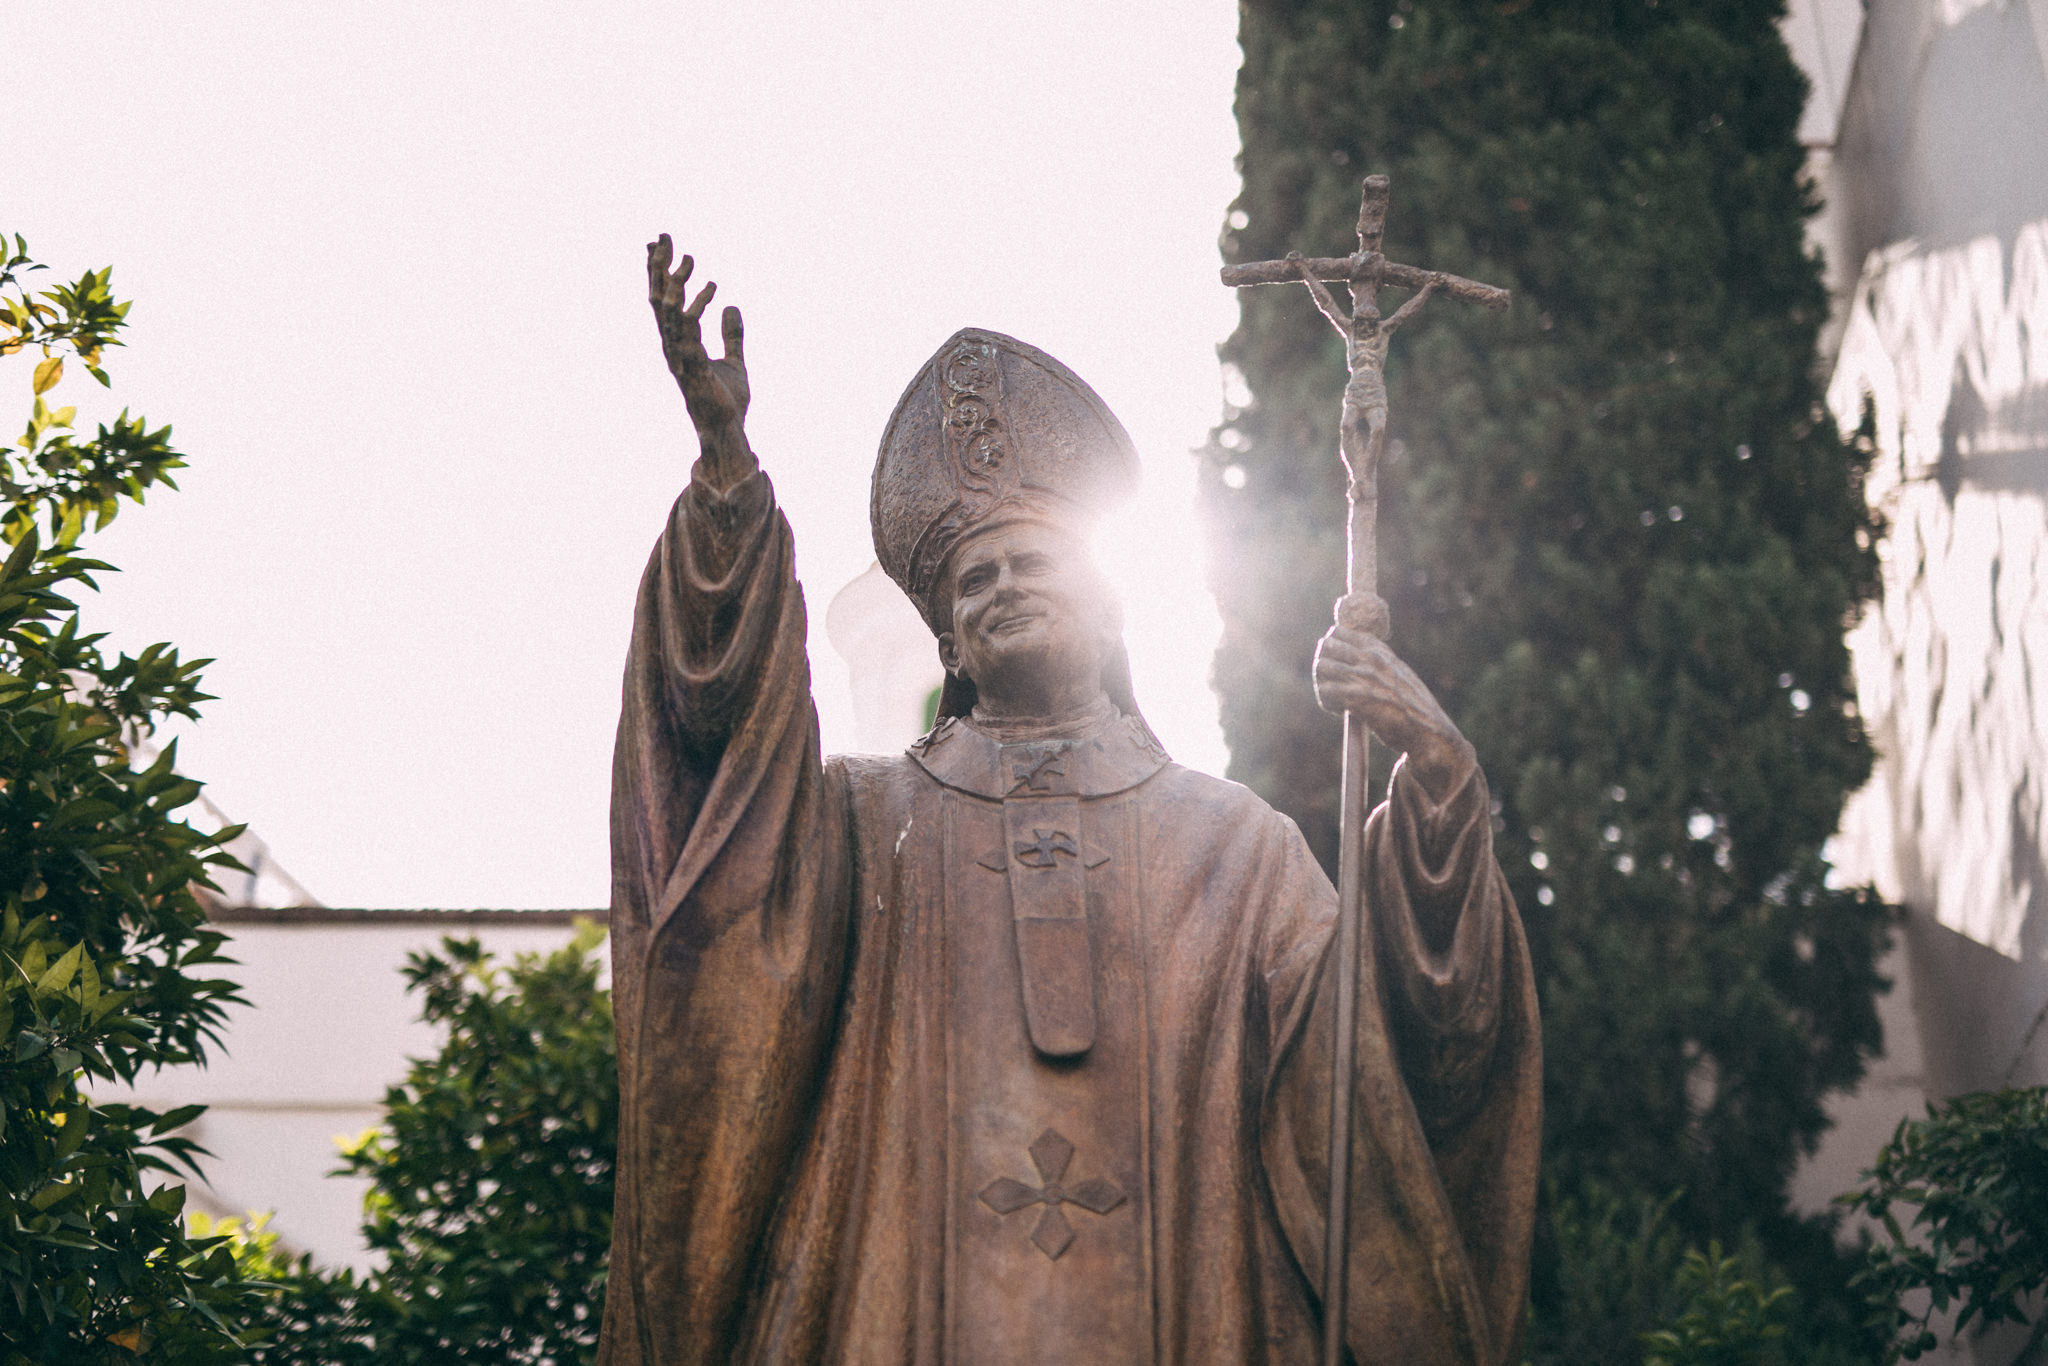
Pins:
x,y
989,427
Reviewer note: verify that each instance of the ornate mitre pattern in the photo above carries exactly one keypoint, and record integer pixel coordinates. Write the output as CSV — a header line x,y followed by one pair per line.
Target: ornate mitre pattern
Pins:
x,y
989,425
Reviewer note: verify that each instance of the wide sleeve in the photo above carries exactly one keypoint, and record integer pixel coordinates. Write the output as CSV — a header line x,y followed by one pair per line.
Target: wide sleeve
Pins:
x,y
729,873
1446,1099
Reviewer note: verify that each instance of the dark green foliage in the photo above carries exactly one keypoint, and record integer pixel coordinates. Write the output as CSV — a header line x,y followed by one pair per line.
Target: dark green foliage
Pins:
x,y
491,1198
1615,1264
1621,540
106,962
1629,1293
1728,1319
1976,1170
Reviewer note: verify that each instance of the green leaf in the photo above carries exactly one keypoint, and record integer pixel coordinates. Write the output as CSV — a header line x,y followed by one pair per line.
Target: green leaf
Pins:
x,y
21,558
61,972
176,1119
71,1136
48,373
52,1194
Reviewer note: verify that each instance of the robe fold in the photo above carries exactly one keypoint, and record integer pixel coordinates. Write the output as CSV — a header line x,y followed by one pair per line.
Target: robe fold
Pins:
x,y
992,1053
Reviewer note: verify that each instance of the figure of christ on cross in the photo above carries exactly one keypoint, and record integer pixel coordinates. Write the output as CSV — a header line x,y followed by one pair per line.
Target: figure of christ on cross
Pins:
x,y
1362,438
854,994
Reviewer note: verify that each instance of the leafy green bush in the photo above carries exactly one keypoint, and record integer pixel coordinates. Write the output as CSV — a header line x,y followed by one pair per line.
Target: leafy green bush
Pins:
x,y
1627,1292
491,1179
1976,1171
105,959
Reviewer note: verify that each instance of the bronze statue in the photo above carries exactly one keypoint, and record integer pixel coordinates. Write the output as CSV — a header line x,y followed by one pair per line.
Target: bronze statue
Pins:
x,y
1016,1048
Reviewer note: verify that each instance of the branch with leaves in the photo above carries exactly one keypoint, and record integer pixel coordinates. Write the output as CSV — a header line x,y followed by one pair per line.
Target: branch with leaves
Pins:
x,y
49,473
1975,1173
107,964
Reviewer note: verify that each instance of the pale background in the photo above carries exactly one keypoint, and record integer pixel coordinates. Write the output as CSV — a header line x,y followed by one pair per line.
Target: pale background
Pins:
x,y
389,270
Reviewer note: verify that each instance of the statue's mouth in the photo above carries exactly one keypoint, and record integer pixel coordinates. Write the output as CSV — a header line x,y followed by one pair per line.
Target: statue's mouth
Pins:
x,y
1011,624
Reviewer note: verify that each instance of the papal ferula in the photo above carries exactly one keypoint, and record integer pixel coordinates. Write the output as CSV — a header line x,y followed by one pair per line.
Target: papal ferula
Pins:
x,y
1014,1047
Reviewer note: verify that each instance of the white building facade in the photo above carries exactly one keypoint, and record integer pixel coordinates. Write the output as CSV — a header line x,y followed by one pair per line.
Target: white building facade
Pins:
x,y
1928,140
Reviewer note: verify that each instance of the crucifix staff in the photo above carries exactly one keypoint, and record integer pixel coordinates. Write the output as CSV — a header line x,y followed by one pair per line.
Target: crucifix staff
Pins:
x,y
1362,436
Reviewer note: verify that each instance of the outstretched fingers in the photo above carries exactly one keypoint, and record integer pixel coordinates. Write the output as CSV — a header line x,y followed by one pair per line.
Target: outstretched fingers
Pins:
x,y
658,253
715,391
735,333
664,287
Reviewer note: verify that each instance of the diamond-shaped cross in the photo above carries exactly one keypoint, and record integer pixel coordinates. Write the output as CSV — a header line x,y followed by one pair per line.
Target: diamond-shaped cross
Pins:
x,y
1045,847
1051,1153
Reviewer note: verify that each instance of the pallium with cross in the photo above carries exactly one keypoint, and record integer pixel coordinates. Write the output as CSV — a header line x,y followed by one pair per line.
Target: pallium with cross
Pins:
x,y
1362,436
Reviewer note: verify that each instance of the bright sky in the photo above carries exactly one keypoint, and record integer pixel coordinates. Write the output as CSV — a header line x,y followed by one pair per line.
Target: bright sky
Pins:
x,y
388,261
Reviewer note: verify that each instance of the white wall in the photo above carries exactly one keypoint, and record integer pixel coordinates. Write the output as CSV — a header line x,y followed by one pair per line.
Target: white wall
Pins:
x,y
1935,232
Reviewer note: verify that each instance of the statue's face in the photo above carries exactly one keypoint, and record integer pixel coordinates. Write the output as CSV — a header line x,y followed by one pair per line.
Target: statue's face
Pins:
x,y
1033,620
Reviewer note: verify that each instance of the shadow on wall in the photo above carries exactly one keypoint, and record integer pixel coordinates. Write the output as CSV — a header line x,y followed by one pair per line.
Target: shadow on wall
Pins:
x,y
1938,184
1949,349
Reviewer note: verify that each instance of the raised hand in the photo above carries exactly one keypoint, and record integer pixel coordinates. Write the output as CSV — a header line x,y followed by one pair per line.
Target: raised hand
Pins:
x,y
715,391
1356,670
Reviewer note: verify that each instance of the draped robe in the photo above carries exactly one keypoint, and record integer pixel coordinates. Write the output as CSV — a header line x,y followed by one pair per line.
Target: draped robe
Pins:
x,y
990,1054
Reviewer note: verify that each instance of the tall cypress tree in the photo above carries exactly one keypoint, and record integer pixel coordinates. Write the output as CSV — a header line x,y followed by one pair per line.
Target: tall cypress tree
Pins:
x,y
1619,534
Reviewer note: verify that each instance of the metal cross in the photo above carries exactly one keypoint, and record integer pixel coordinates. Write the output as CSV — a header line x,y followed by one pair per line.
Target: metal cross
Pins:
x,y
1362,431
1051,1153
1361,436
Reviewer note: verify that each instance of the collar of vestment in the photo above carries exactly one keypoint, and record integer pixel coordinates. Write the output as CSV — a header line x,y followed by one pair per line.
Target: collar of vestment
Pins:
x,y
1119,755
